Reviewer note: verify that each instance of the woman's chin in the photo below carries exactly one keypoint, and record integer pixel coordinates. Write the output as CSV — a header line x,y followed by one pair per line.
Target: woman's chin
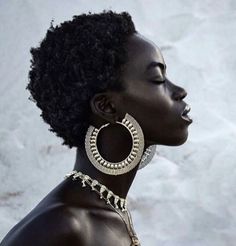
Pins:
x,y
179,140
172,140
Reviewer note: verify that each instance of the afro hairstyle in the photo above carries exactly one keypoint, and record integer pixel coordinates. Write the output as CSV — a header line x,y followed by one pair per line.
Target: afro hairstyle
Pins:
x,y
74,61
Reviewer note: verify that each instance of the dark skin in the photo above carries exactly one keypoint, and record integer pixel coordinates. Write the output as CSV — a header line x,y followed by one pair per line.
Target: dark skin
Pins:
x,y
72,215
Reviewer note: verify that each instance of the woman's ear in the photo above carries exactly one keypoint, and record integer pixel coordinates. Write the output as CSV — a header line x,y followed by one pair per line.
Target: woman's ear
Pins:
x,y
103,106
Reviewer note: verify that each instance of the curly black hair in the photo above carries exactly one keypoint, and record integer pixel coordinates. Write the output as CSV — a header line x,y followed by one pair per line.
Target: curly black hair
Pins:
x,y
74,61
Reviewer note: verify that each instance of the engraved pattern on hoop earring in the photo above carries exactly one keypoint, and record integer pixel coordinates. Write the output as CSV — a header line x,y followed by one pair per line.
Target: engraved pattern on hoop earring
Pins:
x,y
131,161
147,156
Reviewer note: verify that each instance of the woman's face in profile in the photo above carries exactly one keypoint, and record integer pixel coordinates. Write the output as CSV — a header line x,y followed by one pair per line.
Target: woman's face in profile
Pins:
x,y
155,102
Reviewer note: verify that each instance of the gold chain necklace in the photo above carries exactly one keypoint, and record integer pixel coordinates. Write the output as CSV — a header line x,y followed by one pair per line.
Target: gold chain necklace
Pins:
x,y
117,203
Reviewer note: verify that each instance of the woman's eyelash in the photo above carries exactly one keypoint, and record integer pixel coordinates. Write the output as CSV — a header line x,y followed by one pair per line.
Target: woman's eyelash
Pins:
x,y
158,81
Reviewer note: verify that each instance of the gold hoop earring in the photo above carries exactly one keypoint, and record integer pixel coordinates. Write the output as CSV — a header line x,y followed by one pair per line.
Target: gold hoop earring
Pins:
x,y
130,162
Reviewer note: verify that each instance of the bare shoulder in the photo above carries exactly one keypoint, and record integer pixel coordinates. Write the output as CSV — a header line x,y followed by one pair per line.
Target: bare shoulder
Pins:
x,y
58,225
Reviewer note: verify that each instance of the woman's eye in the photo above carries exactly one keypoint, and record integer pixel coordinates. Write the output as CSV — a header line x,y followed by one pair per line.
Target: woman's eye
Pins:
x,y
158,81
158,78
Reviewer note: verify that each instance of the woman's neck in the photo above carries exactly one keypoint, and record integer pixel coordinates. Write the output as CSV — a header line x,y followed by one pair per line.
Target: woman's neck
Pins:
x,y
119,185
114,145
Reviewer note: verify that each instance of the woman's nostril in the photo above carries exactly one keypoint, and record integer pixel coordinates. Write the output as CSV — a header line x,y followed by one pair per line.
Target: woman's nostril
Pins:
x,y
184,94
179,94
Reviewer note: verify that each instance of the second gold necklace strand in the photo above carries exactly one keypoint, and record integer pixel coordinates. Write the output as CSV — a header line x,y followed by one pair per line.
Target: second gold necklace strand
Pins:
x,y
117,203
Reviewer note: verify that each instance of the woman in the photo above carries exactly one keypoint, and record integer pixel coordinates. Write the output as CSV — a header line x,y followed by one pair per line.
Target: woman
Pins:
x,y
102,87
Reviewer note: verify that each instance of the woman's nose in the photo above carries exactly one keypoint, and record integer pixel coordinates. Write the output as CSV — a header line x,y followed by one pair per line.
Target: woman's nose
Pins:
x,y
179,93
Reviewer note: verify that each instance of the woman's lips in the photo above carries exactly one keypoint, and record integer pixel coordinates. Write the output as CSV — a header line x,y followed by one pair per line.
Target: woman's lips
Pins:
x,y
185,115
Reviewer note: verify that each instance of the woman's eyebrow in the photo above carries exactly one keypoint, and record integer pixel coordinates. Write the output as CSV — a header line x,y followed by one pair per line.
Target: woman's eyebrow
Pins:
x,y
156,64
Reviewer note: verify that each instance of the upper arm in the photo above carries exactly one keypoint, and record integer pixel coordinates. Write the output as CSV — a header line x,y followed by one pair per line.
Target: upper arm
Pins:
x,y
57,227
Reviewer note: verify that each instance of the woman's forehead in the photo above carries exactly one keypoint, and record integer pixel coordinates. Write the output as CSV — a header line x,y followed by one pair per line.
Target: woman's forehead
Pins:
x,y
141,52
